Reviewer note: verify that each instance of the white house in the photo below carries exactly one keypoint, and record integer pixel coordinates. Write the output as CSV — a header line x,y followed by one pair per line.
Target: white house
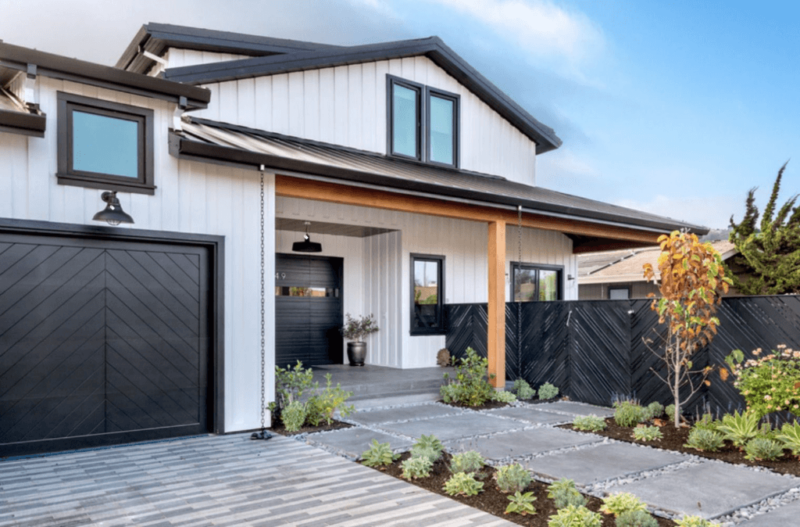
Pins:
x,y
409,167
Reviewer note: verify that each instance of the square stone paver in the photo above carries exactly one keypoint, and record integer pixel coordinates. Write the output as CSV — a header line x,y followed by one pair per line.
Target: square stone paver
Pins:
x,y
708,489
531,415
605,461
353,441
781,517
574,408
522,443
454,426
403,413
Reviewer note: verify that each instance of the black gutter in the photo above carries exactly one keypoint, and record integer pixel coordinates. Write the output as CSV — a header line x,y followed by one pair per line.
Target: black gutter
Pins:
x,y
22,123
433,47
179,146
56,66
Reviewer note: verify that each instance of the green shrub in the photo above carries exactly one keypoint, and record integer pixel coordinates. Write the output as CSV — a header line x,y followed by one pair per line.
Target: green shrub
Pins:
x,y
547,391
647,433
575,516
790,437
670,411
468,462
591,423
770,383
470,386
739,427
323,405
504,397
463,484
694,521
523,389
521,503
704,440
564,494
426,452
653,410
763,449
512,478
290,385
621,502
417,467
430,442
707,422
628,414
378,455
636,519
293,416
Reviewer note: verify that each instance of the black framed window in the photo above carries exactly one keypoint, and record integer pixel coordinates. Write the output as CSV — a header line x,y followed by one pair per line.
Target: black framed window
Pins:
x,y
405,117
619,293
104,145
427,294
536,283
442,127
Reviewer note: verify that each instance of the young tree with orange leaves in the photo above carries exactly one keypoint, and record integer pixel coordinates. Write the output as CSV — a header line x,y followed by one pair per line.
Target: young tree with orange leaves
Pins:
x,y
691,278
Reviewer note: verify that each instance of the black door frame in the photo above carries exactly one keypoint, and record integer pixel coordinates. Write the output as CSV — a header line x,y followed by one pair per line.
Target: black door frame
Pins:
x,y
216,247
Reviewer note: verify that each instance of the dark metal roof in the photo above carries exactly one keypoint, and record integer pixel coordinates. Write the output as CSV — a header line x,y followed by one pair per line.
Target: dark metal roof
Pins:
x,y
16,58
15,118
433,48
156,38
210,140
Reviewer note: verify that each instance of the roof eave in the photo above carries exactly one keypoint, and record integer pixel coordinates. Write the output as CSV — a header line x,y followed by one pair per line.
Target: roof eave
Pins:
x,y
22,123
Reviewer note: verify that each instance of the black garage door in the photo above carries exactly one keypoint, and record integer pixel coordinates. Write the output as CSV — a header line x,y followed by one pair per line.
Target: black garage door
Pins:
x,y
308,310
101,342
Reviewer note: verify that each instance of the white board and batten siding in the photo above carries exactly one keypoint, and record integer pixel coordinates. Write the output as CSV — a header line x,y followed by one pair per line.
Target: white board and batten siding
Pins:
x,y
191,198
381,281
346,105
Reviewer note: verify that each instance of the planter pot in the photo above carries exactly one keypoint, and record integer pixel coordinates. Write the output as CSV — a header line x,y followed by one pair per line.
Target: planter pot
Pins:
x,y
356,353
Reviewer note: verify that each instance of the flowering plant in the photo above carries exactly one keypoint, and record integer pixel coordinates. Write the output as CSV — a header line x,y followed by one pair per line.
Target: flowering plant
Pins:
x,y
358,328
770,383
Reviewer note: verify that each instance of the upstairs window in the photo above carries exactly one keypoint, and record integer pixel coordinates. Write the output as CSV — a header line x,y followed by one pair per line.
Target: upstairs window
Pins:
x,y
619,293
422,122
104,145
531,283
427,291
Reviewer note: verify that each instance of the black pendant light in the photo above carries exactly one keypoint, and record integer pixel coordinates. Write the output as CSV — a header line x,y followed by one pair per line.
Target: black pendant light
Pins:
x,y
307,246
113,213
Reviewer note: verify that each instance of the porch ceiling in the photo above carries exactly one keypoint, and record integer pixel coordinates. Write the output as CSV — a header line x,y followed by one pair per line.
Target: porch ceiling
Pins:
x,y
334,229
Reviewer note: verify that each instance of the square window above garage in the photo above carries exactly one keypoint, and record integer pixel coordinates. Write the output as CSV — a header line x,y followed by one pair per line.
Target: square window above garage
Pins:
x,y
104,145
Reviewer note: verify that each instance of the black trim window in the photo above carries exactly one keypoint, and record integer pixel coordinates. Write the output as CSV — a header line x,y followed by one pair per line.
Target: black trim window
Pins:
x,y
104,145
532,282
427,292
422,122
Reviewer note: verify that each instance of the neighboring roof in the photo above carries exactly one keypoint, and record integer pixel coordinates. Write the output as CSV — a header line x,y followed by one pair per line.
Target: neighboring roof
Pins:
x,y
156,38
626,266
210,140
433,48
15,59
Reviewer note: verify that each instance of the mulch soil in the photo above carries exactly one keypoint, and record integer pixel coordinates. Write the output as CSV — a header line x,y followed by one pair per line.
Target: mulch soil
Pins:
x,y
278,428
491,500
490,405
675,438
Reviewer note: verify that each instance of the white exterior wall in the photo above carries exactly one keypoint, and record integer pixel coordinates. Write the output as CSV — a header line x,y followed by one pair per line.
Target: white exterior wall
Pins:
x,y
177,58
346,105
191,198
385,272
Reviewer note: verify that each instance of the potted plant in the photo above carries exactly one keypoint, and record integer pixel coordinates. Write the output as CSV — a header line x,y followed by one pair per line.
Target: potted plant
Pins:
x,y
354,330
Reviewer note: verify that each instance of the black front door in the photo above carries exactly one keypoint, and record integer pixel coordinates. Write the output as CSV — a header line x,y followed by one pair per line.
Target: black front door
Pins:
x,y
101,342
308,310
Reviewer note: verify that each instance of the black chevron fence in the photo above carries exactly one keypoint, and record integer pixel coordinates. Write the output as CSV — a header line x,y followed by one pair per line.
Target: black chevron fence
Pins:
x,y
595,350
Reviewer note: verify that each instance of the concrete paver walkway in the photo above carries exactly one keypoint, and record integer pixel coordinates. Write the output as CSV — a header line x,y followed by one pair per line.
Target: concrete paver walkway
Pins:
x,y
217,481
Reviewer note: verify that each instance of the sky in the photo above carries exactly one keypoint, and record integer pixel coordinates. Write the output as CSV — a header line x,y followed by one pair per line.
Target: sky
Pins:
x,y
677,108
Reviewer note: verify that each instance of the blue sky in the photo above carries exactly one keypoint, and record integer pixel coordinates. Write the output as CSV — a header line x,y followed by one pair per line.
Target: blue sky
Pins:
x,y
673,107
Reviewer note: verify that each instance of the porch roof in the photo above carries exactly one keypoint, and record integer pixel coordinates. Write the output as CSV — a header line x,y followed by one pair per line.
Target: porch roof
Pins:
x,y
222,142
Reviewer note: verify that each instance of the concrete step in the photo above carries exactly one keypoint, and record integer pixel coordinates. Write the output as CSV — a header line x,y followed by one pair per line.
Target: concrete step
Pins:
x,y
394,400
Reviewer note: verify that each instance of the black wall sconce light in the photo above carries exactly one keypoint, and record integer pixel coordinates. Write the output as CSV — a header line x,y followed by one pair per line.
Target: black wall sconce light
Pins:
x,y
113,213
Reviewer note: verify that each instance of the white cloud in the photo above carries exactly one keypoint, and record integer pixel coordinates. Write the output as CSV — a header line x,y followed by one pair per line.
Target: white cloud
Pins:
x,y
543,29
708,211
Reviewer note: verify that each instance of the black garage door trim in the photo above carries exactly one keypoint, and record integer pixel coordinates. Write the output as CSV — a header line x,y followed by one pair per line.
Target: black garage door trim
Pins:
x,y
215,245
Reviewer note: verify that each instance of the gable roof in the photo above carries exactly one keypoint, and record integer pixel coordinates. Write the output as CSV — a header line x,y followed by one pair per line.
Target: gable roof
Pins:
x,y
213,141
284,56
156,38
17,59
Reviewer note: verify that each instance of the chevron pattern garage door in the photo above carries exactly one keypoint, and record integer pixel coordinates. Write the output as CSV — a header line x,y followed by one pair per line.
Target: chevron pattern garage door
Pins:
x,y
100,342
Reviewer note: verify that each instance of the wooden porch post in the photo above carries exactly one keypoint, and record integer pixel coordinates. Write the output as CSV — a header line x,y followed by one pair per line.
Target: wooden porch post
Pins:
x,y
496,338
